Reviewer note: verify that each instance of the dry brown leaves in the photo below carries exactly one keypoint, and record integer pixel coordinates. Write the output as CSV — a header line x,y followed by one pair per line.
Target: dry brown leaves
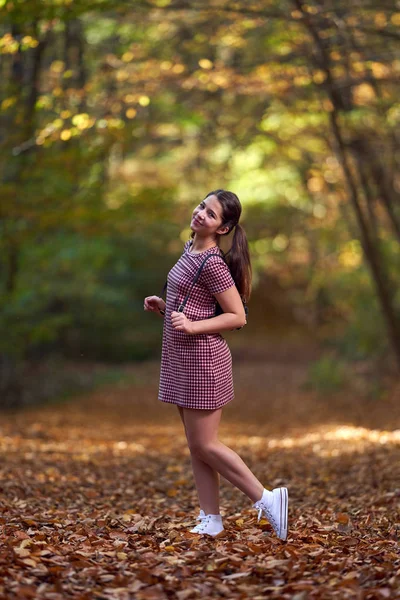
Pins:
x,y
98,499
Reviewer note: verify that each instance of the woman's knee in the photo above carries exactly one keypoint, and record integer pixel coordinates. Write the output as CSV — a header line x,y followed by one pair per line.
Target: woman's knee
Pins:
x,y
202,449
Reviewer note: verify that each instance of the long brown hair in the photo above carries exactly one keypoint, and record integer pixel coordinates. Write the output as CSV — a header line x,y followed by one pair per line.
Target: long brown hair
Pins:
x,y
238,256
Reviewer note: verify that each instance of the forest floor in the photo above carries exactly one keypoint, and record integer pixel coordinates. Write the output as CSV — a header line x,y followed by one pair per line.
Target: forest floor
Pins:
x,y
98,495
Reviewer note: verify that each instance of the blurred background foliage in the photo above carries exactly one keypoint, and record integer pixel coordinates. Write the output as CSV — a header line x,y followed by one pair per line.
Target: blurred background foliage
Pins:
x,y
117,118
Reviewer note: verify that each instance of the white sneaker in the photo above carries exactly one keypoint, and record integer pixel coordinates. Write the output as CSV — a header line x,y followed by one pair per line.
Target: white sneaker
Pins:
x,y
210,525
277,513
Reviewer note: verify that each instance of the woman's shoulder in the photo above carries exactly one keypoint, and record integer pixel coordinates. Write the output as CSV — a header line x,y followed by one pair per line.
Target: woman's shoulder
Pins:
x,y
216,274
215,262
215,257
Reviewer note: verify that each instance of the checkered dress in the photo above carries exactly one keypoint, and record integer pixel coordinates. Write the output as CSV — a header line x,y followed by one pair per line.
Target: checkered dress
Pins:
x,y
196,370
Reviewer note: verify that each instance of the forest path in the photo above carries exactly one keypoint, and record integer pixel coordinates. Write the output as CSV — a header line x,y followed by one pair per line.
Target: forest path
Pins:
x,y
98,495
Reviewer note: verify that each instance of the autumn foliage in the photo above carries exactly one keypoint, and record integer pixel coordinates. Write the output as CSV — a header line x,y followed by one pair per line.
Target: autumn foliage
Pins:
x,y
98,496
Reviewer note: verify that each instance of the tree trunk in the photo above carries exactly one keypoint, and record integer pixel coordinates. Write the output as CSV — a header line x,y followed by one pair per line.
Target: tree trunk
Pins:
x,y
341,101
370,252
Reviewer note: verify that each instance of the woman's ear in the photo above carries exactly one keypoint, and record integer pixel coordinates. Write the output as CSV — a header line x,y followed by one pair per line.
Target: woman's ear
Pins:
x,y
223,230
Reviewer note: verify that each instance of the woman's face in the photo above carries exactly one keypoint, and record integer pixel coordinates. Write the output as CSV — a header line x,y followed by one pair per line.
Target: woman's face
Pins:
x,y
207,217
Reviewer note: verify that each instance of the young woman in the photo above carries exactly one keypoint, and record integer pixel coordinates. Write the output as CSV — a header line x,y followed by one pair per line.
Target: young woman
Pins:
x,y
196,362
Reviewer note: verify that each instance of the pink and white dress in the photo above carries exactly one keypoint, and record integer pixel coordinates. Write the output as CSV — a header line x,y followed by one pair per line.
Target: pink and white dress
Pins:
x,y
196,370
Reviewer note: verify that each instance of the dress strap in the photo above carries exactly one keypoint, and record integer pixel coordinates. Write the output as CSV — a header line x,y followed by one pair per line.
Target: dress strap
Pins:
x,y
182,305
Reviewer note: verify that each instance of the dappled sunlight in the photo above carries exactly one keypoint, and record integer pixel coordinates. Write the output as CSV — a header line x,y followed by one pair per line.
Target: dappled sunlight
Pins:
x,y
324,441
86,441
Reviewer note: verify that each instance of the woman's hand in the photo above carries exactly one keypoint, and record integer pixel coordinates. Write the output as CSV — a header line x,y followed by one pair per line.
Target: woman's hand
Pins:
x,y
154,304
181,323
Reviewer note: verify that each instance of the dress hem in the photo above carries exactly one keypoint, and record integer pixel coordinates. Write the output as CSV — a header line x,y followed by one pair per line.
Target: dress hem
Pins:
x,y
196,407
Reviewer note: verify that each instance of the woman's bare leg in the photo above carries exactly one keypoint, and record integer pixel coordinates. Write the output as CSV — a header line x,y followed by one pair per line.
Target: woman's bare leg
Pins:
x,y
201,428
206,480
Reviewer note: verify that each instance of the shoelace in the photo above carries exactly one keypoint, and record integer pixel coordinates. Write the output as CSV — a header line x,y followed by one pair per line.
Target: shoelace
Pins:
x,y
199,518
203,524
270,516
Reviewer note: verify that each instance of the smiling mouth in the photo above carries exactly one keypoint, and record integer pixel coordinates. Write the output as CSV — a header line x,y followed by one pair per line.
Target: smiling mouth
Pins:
x,y
196,221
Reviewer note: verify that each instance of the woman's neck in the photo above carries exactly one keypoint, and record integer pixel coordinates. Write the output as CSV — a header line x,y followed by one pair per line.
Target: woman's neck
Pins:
x,y
202,244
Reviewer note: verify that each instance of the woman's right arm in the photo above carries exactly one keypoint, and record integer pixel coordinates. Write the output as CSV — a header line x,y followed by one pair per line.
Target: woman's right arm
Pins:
x,y
154,304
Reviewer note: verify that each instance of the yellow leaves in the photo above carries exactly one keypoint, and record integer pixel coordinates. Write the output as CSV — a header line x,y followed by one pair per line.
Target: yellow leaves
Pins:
x,y
351,255
205,63
169,548
114,123
379,70
127,56
57,66
302,80
44,101
315,184
8,102
122,555
79,119
309,8
82,121
131,113
144,100
380,19
319,76
284,49
165,65
220,80
29,42
65,135
395,19
178,68
122,75
363,94
8,44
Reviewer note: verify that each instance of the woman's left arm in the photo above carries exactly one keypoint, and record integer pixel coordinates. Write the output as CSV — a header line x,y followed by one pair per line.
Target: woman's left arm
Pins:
x,y
232,317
